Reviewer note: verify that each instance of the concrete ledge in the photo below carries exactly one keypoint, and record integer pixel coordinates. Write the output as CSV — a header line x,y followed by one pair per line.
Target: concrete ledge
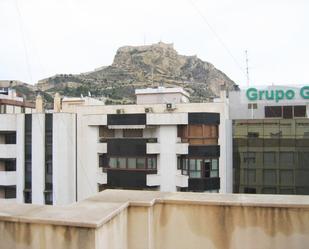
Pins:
x,y
8,122
153,180
96,119
153,148
7,150
182,181
166,118
102,148
182,148
97,210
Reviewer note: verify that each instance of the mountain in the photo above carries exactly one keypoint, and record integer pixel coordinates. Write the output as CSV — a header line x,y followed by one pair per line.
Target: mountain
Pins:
x,y
140,67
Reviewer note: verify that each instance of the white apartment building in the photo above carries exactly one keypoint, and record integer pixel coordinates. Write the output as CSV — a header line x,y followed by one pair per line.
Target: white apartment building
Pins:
x,y
84,146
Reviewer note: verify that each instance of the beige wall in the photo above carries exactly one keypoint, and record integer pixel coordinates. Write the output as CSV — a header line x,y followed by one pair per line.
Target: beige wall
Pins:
x,y
117,219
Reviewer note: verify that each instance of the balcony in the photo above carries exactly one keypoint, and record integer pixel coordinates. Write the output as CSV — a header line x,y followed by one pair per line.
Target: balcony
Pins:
x,y
7,178
7,150
204,184
153,180
128,178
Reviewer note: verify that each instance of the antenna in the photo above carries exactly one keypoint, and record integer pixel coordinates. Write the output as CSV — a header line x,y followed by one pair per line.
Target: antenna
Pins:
x,y
247,67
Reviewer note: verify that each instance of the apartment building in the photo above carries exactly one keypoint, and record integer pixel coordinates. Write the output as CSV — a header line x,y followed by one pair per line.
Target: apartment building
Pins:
x,y
270,140
83,146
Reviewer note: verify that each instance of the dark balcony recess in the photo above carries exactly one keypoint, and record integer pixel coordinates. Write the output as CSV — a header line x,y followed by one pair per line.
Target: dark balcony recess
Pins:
x,y
204,150
126,119
204,184
128,178
203,118
126,147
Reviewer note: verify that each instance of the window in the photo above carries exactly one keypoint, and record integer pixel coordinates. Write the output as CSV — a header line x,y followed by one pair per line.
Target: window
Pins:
x,y
10,192
121,163
286,158
270,177
287,112
273,111
200,168
252,106
249,158
286,177
10,138
132,163
300,111
10,165
198,134
133,133
152,164
140,163
27,196
249,176
269,158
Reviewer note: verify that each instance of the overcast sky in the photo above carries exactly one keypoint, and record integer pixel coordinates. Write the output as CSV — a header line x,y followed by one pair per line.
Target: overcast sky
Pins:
x,y
40,38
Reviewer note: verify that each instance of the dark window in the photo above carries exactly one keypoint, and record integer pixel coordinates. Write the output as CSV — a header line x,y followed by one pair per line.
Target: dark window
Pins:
x,y
10,192
10,138
273,111
300,111
104,132
252,106
48,158
10,165
287,112
28,158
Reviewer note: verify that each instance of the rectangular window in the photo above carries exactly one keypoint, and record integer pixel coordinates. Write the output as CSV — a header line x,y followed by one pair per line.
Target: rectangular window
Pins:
x,y
300,111
122,163
10,192
286,159
113,163
252,106
273,111
140,163
269,158
10,138
132,163
286,177
28,158
152,163
133,133
49,158
250,176
270,177
287,112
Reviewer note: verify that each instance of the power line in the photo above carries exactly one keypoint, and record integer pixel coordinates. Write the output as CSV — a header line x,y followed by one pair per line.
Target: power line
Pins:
x,y
216,35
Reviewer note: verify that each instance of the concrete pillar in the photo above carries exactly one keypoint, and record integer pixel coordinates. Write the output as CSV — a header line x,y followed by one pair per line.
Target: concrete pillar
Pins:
x,y
57,103
39,104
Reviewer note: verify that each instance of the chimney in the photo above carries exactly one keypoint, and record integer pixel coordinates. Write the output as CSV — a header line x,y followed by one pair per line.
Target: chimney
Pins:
x,y
57,103
39,103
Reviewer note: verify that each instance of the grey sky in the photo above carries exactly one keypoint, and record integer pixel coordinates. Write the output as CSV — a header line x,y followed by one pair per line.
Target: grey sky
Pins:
x,y
40,38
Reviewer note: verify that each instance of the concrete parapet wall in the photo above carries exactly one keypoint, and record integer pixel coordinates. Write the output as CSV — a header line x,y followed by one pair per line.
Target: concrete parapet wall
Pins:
x,y
156,220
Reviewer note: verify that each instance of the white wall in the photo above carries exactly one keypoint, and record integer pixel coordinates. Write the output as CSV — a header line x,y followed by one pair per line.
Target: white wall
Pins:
x,y
38,158
64,164
167,159
87,158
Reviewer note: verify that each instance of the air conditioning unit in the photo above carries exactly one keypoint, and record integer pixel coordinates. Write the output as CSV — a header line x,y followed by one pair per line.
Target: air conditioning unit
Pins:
x,y
148,109
170,106
120,111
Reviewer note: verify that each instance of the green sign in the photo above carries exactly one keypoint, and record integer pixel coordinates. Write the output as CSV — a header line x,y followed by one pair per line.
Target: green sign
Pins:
x,y
253,94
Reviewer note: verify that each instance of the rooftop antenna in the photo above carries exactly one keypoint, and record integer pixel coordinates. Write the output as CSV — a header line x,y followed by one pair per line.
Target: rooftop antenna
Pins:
x,y
247,67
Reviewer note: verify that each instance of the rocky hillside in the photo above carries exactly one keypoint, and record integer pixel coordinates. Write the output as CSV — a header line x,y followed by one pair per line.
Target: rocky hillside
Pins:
x,y
140,67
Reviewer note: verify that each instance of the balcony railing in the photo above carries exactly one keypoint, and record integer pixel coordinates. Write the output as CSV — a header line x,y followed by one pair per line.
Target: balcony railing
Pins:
x,y
204,184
